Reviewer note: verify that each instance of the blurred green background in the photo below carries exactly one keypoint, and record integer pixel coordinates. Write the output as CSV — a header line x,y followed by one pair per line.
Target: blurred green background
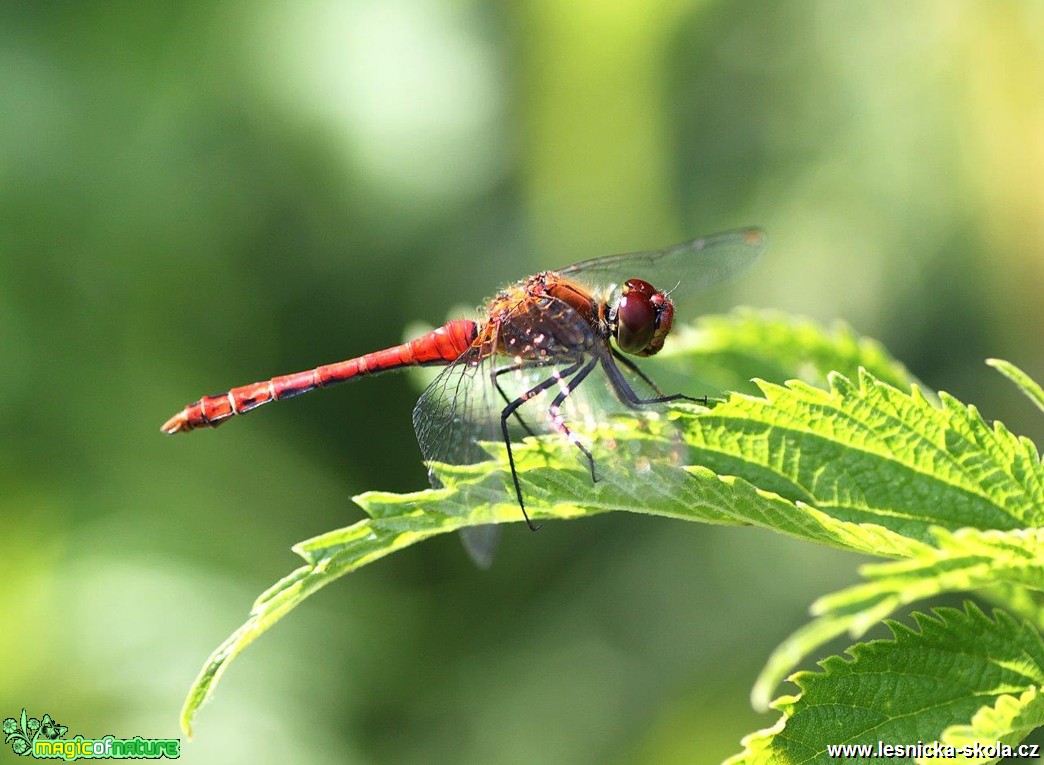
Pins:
x,y
201,195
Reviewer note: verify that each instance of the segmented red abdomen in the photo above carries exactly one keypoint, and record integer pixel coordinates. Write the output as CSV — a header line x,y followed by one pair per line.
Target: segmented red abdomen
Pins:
x,y
441,346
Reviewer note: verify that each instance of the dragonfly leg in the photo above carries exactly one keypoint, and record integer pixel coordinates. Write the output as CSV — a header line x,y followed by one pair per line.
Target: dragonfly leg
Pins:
x,y
628,395
496,383
637,370
517,415
556,419
510,410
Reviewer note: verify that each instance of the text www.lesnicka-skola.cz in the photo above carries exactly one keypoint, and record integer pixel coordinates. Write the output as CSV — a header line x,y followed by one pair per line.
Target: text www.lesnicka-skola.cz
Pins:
x,y
935,750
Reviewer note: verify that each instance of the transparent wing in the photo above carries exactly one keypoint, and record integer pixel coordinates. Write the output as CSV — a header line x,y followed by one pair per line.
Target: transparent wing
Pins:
x,y
456,414
453,417
535,340
694,266
460,414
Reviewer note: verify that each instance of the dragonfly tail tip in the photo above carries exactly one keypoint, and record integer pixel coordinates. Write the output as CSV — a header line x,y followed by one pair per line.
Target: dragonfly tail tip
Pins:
x,y
175,424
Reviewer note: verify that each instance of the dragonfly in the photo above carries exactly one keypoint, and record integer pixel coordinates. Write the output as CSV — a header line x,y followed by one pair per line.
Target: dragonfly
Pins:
x,y
536,342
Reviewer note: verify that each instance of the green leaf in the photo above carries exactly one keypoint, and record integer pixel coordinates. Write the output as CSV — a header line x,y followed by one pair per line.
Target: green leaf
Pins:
x,y
966,560
957,475
724,352
961,677
862,466
875,454
560,490
1026,384
329,557
1007,721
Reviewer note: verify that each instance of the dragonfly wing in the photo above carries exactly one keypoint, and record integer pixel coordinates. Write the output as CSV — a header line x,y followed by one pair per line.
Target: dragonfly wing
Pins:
x,y
694,266
453,417
540,340
481,542
455,414
543,342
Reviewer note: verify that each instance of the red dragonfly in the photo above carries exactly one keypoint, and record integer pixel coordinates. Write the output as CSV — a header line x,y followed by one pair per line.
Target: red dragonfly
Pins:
x,y
550,330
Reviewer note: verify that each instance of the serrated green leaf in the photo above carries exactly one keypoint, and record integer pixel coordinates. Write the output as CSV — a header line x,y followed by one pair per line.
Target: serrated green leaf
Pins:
x,y
862,466
966,560
558,486
1008,721
917,687
871,453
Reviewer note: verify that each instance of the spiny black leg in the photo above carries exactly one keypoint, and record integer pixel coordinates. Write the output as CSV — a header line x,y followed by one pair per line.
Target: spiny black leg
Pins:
x,y
518,415
567,388
636,369
510,410
496,384
626,393
660,397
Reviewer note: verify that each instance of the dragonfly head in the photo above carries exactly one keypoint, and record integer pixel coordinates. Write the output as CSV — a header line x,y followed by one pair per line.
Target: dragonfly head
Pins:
x,y
641,318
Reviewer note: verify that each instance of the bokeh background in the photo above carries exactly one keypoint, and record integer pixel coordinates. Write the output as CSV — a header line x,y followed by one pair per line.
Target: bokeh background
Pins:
x,y
199,195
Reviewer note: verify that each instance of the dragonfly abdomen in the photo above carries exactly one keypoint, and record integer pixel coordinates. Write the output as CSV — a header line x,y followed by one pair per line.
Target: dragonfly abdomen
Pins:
x,y
438,347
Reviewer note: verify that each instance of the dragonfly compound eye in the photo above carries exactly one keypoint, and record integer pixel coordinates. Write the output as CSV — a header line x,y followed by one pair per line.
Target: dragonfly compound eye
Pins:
x,y
643,318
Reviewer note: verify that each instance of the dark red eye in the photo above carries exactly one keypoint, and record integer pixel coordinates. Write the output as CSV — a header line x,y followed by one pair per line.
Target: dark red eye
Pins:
x,y
640,286
643,318
637,319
